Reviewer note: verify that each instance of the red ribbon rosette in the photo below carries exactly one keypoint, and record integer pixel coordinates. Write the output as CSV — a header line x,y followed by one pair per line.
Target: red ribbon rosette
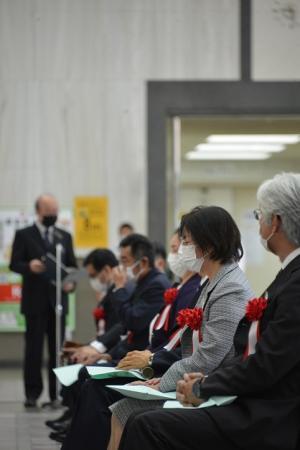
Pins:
x,y
99,313
255,309
192,317
254,312
170,295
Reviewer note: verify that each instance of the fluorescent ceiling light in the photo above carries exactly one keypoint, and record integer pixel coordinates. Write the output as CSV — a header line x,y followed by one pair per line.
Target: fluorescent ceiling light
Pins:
x,y
239,147
223,156
247,138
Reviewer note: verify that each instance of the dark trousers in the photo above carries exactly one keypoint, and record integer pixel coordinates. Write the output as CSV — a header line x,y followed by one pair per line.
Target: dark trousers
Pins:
x,y
37,326
180,429
90,427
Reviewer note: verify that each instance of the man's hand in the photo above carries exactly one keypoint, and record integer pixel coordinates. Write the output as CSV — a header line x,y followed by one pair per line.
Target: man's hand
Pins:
x,y
119,277
36,266
184,391
85,355
135,360
68,287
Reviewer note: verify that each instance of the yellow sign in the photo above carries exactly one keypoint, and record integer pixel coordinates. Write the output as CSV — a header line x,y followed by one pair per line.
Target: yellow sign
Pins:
x,y
91,222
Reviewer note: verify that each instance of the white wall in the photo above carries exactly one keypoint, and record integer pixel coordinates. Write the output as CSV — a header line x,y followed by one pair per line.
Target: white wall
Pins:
x,y
276,40
73,90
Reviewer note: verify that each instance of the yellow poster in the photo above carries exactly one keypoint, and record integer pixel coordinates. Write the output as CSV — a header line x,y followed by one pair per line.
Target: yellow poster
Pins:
x,y
91,222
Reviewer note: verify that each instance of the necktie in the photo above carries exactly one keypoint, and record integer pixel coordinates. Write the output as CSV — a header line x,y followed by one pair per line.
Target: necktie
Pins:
x,y
47,239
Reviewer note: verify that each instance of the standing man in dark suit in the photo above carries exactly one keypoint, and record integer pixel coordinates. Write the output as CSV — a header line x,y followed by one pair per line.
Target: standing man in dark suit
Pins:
x,y
39,293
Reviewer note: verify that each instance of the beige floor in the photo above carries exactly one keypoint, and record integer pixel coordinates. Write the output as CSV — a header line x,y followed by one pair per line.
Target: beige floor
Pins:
x,y
21,429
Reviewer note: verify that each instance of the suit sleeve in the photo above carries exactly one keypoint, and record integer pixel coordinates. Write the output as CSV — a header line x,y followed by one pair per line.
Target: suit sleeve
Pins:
x,y
19,262
112,336
163,359
137,315
70,257
277,352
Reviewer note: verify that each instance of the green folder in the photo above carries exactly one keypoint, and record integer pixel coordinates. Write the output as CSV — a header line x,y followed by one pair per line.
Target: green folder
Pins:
x,y
101,373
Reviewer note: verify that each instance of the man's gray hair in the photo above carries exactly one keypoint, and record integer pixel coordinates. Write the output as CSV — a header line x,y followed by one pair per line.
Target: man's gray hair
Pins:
x,y
281,196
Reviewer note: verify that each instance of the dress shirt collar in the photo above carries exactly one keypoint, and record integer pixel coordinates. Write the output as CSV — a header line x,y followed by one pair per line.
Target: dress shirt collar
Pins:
x,y
42,229
290,258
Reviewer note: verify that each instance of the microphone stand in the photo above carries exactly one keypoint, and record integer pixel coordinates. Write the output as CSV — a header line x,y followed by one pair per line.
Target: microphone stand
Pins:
x,y
58,311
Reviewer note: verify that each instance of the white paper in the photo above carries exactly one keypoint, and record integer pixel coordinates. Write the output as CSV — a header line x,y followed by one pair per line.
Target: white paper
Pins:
x,y
67,375
142,392
212,401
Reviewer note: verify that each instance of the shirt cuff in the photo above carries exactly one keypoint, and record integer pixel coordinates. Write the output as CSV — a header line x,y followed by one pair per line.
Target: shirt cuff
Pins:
x,y
98,346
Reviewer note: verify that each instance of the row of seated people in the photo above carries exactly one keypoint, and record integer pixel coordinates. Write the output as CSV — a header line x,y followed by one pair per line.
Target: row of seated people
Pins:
x,y
129,302
231,343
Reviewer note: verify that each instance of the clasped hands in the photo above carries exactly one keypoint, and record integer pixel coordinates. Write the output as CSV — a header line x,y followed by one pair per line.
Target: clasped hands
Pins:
x,y
184,390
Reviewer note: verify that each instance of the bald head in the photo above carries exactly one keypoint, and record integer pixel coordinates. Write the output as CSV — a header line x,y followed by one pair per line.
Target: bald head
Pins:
x,y
46,207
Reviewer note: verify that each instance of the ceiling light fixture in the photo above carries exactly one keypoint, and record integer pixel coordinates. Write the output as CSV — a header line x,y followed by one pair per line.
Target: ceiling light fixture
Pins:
x,y
239,147
255,138
226,156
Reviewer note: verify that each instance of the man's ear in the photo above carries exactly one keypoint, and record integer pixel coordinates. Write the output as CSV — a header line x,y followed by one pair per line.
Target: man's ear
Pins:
x,y
144,262
276,222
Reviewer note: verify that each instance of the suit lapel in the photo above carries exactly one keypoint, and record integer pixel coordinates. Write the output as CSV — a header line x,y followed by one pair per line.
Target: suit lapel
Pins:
x,y
282,278
276,288
224,270
37,237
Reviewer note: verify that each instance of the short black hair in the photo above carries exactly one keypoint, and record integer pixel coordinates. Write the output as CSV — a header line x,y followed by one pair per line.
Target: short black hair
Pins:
x,y
159,250
99,258
140,247
212,228
126,225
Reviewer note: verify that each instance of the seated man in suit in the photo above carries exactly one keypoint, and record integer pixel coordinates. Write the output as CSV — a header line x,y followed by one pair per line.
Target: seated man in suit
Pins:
x,y
265,373
39,293
99,265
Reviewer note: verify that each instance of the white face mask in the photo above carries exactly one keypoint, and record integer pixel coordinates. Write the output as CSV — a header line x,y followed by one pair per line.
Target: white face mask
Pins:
x,y
264,242
129,272
176,264
189,258
97,285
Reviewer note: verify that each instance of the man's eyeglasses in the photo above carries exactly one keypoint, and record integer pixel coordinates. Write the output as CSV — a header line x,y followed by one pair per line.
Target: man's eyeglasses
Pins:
x,y
257,214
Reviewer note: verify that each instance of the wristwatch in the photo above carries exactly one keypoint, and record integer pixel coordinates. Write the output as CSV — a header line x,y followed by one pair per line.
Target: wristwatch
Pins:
x,y
196,389
148,371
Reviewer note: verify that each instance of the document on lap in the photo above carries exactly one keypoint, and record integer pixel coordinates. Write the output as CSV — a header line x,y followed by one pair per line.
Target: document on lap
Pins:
x,y
212,401
100,373
142,392
67,375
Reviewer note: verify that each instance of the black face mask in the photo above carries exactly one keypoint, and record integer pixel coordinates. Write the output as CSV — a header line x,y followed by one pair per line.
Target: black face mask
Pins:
x,y
48,221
